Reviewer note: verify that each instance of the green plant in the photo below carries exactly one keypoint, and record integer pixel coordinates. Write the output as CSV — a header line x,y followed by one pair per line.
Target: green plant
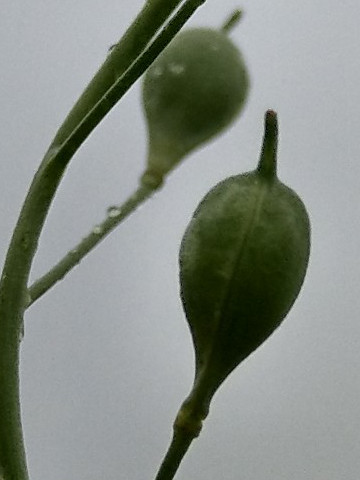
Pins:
x,y
191,94
126,62
243,260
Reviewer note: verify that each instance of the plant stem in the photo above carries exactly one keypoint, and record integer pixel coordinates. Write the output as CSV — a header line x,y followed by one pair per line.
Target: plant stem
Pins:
x,y
132,44
86,126
116,215
23,245
180,444
123,83
187,427
12,299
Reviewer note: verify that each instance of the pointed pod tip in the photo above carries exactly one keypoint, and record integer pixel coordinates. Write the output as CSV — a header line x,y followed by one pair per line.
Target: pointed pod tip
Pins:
x,y
232,20
270,118
267,163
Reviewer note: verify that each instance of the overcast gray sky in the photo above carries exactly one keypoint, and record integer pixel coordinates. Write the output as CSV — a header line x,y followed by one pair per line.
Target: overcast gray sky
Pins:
x,y
107,357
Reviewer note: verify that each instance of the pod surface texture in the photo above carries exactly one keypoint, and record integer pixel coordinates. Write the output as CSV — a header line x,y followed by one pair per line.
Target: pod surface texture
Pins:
x,y
243,260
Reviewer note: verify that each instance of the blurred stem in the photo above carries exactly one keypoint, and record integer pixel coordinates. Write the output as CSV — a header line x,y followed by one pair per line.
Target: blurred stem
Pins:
x,y
68,140
132,44
116,214
86,126
232,21
76,128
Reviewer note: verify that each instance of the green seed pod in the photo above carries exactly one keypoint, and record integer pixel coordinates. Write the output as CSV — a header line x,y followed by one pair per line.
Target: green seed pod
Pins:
x,y
243,260
193,90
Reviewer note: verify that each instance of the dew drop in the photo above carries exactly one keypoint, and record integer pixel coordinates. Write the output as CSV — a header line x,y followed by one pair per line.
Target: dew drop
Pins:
x,y
157,71
97,230
52,152
113,211
176,68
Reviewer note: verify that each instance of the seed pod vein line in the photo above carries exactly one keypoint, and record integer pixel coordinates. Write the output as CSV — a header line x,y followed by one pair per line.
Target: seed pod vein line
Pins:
x,y
235,259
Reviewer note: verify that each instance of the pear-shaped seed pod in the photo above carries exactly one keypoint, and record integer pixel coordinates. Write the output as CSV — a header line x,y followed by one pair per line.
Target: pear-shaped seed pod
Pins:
x,y
243,260
192,91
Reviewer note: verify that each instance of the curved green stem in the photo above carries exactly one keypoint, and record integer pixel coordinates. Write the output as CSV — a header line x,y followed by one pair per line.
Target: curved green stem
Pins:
x,y
132,44
116,214
12,303
85,127
23,245
121,85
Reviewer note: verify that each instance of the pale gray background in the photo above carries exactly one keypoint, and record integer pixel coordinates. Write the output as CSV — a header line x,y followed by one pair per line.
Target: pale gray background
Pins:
x,y
107,356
